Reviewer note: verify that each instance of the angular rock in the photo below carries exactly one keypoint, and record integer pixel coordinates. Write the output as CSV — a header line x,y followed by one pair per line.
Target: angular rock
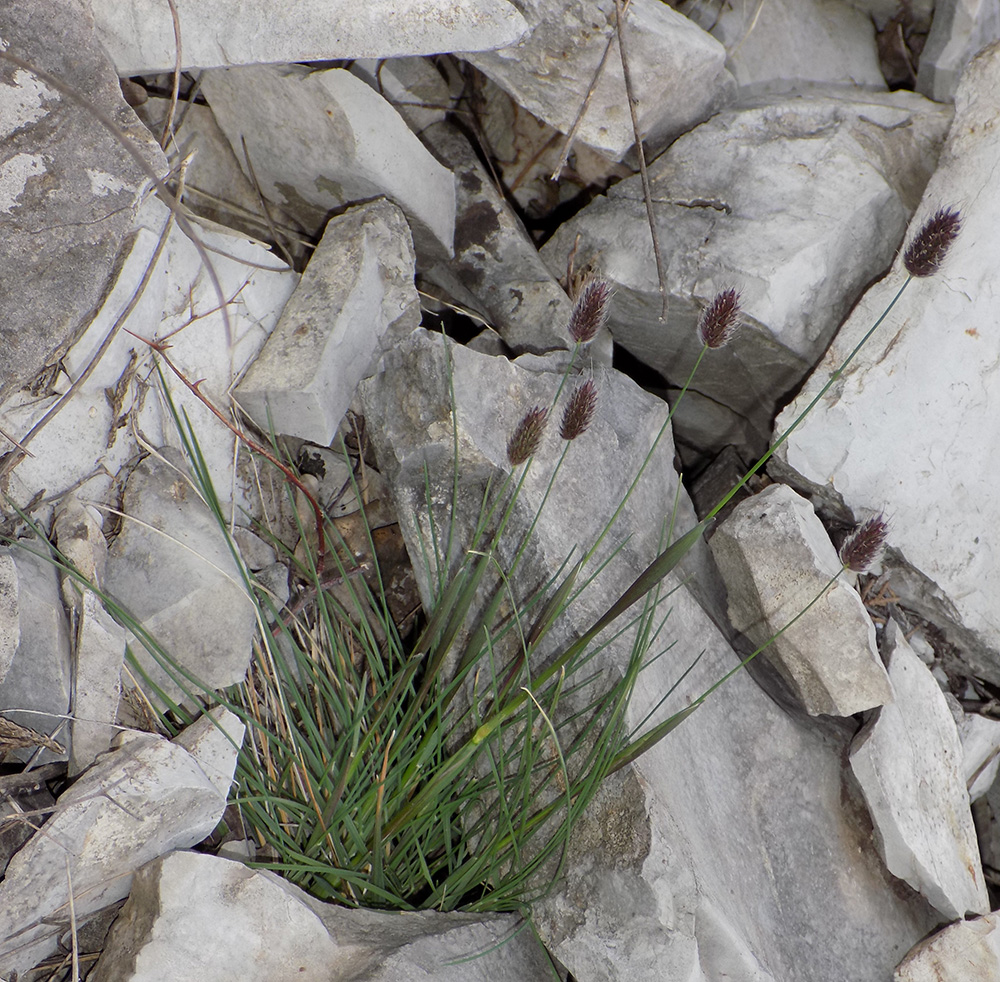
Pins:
x,y
908,761
959,30
10,624
847,174
144,798
776,559
171,568
980,738
355,299
497,271
229,32
216,919
875,440
350,145
659,886
80,540
421,90
68,190
39,680
677,69
967,951
99,652
792,45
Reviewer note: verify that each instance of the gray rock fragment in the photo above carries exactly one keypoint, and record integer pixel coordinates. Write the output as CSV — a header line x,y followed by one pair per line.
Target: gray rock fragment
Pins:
x,y
216,919
144,798
847,175
678,71
792,45
776,558
171,568
99,652
232,32
318,140
908,761
959,31
966,951
355,299
10,624
496,271
39,680
68,190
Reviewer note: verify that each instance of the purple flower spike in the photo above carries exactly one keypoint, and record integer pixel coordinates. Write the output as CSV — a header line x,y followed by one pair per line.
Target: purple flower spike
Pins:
x,y
527,436
591,311
931,245
864,545
579,412
721,320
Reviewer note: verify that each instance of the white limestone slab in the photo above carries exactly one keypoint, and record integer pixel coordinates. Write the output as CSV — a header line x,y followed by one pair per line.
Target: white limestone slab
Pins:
x,y
913,423
908,761
140,38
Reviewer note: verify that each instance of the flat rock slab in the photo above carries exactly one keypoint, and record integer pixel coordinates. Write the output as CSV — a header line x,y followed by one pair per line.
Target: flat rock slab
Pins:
x,y
777,560
908,761
68,189
320,139
911,422
678,71
219,33
171,568
355,299
847,174
146,797
213,918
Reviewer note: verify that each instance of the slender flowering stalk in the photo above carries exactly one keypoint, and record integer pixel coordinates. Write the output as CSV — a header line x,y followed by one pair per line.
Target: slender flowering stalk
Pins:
x,y
527,436
590,313
721,320
931,244
864,545
579,412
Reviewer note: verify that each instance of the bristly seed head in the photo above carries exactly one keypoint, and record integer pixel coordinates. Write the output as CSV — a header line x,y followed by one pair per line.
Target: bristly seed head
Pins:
x,y
931,245
721,320
864,545
527,436
579,411
590,313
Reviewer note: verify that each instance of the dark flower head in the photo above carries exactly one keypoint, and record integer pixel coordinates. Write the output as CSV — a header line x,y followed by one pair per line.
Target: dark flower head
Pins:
x,y
590,313
931,245
579,411
864,545
527,435
721,320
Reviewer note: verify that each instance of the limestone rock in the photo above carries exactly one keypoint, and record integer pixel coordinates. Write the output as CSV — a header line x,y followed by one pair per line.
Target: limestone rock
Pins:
x,y
68,190
218,33
214,918
144,798
966,951
355,299
875,437
776,558
908,761
171,568
350,145
677,70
